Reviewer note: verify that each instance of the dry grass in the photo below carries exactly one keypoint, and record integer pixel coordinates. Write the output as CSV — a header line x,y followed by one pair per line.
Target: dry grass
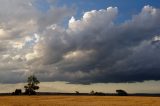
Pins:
x,y
78,101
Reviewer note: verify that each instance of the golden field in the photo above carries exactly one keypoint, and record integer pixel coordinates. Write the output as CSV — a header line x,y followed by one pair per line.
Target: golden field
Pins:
x,y
78,101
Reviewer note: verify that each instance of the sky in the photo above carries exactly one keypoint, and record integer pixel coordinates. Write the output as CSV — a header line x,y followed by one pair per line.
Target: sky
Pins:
x,y
83,45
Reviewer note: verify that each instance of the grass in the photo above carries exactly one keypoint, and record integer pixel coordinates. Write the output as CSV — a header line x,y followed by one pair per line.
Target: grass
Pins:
x,y
78,101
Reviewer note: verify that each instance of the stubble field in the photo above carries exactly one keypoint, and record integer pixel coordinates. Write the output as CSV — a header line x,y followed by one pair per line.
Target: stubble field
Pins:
x,y
78,101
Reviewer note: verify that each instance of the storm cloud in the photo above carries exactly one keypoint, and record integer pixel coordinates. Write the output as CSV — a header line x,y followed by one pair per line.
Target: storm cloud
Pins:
x,y
91,49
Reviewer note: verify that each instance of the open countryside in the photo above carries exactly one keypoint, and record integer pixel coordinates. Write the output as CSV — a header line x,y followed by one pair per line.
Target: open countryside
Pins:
x,y
78,101
79,52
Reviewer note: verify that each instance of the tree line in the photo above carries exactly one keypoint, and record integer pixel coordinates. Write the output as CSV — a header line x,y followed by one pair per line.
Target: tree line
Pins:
x,y
32,86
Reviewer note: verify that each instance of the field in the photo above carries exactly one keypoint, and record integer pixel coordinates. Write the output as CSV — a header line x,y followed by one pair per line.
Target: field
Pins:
x,y
78,101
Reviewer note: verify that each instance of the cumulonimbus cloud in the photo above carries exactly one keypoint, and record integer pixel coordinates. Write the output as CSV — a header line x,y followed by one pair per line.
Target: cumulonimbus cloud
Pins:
x,y
91,49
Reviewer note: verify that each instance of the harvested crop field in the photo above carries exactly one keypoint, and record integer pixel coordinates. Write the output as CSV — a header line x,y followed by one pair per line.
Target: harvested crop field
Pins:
x,y
78,101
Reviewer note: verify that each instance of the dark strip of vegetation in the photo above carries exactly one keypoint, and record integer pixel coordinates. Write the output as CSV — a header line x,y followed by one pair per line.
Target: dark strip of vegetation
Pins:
x,y
32,86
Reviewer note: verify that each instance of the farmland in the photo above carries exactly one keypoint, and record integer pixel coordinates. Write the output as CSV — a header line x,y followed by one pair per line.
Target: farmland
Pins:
x,y
78,101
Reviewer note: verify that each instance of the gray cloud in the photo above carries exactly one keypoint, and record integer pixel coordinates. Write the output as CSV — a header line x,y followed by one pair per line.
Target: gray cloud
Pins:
x,y
89,50
20,23
94,49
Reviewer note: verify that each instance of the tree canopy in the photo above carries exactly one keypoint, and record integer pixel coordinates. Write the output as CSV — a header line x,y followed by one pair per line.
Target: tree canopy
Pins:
x,y
32,85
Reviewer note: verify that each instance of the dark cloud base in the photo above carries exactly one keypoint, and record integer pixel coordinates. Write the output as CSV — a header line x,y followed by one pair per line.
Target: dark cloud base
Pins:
x,y
120,53
92,49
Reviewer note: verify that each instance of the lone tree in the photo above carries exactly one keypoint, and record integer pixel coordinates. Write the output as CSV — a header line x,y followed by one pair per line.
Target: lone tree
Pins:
x,y
32,85
121,92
